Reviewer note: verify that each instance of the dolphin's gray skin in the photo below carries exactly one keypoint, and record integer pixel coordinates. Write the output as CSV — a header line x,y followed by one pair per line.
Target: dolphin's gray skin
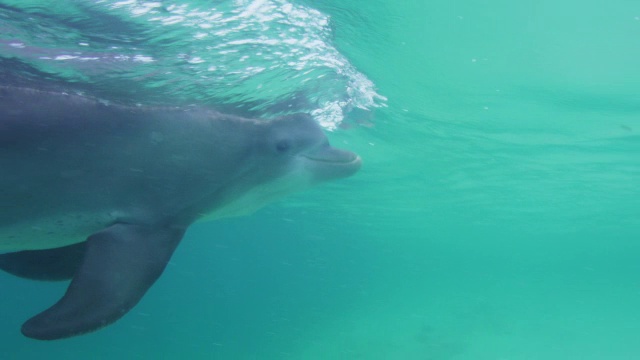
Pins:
x,y
102,193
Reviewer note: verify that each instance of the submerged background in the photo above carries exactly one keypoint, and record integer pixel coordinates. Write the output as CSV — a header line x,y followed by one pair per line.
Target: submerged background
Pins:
x,y
497,214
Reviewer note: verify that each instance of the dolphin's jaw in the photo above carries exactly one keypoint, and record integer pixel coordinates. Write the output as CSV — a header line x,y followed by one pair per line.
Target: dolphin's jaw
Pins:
x,y
303,171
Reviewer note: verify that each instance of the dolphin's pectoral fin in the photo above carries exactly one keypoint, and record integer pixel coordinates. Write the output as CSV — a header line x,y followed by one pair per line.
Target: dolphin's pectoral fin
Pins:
x,y
120,264
50,264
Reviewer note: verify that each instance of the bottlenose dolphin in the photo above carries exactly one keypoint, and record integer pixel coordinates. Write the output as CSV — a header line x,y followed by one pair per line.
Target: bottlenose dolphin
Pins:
x,y
102,193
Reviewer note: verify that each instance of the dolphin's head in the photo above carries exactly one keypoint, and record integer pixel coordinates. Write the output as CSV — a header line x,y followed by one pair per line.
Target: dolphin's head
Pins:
x,y
297,148
288,154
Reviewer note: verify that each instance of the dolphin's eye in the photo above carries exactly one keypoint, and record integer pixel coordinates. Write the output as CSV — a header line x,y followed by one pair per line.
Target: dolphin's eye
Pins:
x,y
283,146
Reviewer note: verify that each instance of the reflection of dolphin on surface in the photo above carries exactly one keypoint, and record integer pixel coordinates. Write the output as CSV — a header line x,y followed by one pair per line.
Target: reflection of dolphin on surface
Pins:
x,y
132,179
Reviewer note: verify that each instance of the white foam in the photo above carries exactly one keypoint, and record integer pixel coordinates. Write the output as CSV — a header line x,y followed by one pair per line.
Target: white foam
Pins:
x,y
227,49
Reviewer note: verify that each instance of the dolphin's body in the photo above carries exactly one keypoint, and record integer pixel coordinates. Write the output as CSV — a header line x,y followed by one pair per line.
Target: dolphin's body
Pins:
x,y
102,193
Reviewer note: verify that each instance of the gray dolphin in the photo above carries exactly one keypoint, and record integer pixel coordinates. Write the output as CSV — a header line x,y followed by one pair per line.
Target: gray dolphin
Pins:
x,y
102,193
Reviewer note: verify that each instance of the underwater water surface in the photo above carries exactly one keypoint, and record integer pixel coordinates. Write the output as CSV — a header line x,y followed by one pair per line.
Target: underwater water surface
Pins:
x,y
496,216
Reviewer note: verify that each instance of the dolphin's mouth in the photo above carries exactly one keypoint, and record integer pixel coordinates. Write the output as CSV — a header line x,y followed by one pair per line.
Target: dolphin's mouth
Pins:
x,y
334,156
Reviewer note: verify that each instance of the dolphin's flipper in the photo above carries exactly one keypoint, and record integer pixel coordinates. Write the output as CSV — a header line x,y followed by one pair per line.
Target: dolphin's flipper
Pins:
x,y
50,264
120,264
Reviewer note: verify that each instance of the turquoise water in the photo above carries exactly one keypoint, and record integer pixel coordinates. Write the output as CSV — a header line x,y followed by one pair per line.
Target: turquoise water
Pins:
x,y
497,214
